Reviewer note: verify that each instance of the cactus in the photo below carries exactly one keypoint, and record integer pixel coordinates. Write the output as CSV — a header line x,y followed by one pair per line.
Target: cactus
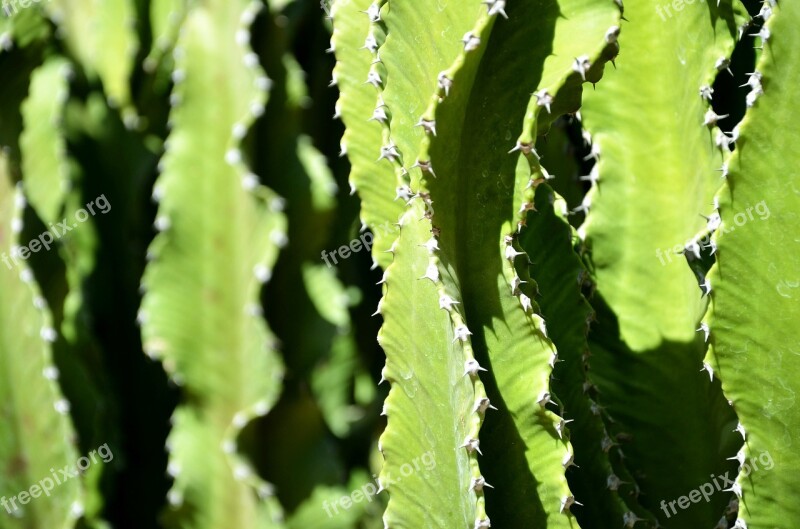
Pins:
x,y
352,39
484,294
752,284
591,469
227,395
652,329
101,35
438,156
37,435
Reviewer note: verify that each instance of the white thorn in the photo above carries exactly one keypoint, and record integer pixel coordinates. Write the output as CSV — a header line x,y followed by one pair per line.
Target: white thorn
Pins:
x,y
567,502
543,399
373,12
581,65
461,333
478,483
445,83
740,428
48,334
707,367
543,99
62,406
630,519
472,445
496,7
446,302
711,117
472,367
432,272
471,42
706,330
483,404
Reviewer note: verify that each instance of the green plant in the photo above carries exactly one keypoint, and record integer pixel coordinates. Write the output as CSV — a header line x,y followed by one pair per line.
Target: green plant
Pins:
x,y
493,211
586,294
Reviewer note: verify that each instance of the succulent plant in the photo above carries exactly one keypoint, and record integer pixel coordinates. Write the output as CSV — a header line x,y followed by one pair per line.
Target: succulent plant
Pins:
x,y
585,312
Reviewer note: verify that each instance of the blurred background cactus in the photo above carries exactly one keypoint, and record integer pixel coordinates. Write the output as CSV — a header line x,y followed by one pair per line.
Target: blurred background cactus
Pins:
x,y
371,264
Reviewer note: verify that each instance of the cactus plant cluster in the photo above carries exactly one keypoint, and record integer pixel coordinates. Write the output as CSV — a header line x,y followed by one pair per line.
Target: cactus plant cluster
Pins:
x,y
549,281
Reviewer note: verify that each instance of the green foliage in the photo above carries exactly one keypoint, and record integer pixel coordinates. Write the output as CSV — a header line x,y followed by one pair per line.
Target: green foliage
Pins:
x,y
647,201
101,36
37,435
42,143
212,254
753,312
355,40
585,298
